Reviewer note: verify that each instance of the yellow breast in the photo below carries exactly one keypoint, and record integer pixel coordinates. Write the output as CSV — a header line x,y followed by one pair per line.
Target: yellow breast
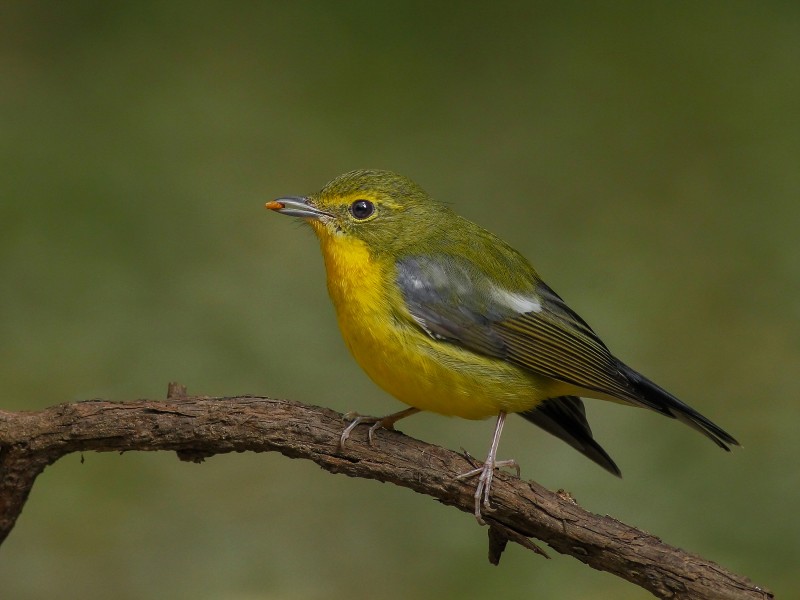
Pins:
x,y
420,371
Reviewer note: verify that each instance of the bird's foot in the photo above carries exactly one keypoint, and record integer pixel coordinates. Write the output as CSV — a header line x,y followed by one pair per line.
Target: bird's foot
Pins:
x,y
386,422
356,420
484,488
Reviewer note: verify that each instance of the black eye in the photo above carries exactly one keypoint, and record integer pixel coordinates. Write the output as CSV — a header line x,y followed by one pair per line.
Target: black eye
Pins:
x,y
361,209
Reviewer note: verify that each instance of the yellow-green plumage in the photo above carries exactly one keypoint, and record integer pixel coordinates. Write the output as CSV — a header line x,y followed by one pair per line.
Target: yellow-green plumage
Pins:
x,y
405,361
448,318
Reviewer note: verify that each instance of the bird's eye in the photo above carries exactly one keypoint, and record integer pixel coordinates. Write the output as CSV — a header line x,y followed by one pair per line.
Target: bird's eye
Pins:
x,y
362,209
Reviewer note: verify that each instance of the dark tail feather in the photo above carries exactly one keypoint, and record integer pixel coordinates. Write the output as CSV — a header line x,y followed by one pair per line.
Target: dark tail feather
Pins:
x,y
656,398
565,418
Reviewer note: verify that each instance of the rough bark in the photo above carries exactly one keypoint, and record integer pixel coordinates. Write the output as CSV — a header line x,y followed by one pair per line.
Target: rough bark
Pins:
x,y
198,427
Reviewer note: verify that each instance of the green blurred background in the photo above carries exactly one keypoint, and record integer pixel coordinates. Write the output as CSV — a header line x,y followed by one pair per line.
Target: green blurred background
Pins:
x,y
644,155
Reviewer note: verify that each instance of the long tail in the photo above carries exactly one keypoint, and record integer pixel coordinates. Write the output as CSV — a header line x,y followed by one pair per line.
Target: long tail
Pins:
x,y
657,398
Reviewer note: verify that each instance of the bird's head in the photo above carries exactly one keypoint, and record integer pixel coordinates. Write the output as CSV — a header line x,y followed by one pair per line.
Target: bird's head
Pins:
x,y
384,210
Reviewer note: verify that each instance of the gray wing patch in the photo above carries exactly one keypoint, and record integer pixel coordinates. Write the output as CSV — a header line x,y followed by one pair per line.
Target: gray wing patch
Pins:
x,y
452,300
445,300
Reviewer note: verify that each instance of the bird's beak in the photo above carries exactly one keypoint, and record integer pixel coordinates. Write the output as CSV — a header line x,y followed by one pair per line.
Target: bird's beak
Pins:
x,y
297,206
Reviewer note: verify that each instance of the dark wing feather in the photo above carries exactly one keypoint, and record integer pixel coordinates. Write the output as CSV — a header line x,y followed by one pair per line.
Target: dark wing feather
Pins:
x,y
565,418
556,342
452,300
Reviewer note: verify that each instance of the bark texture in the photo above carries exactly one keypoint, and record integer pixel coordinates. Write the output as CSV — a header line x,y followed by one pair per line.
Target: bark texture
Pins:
x,y
198,427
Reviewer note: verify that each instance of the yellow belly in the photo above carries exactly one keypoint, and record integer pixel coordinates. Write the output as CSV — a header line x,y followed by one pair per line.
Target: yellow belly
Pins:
x,y
416,369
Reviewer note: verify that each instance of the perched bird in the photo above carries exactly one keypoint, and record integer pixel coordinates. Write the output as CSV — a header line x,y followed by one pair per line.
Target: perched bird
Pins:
x,y
448,318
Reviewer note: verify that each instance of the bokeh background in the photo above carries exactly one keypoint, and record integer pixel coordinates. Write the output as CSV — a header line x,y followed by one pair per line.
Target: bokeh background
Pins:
x,y
644,155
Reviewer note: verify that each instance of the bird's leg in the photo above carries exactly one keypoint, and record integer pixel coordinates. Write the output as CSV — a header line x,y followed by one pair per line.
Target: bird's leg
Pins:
x,y
486,472
386,422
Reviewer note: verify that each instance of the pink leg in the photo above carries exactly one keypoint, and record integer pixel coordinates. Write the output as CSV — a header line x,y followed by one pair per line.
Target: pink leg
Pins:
x,y
486,472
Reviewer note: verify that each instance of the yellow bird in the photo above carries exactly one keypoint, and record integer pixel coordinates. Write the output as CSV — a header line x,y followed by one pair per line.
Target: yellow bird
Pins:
x,y
448,318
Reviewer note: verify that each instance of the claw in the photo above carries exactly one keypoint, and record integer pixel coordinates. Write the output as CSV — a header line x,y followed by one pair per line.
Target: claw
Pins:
x,y
355,420
386,422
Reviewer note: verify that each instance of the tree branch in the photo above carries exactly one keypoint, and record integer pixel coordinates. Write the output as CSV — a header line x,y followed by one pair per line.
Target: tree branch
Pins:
x,y
199,427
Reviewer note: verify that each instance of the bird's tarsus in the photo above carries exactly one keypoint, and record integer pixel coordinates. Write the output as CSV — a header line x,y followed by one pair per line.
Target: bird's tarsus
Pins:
x,y
486,472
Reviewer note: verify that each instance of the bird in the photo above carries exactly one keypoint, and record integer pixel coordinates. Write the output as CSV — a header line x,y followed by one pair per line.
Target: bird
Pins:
x,y
448,318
